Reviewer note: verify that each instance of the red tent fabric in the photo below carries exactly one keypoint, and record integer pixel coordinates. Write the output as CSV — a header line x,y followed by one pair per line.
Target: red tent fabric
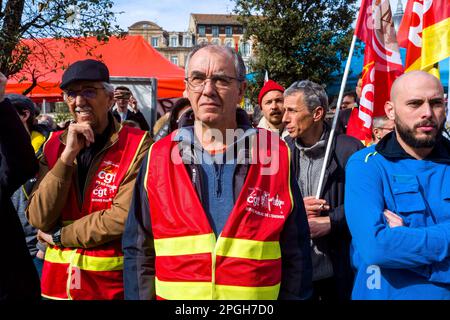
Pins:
x,y
130,56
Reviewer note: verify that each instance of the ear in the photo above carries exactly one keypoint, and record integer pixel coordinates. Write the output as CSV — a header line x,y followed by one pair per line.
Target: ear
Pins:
x,y
185,94
389,110
25,115
242,88
375,131
318,113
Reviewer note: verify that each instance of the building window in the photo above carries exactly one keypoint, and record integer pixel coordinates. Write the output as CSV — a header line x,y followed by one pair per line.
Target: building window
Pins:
x,y
155,41
201,31
187,41
215,31
228,31
229,43
215,41
245,49
174,59
174,41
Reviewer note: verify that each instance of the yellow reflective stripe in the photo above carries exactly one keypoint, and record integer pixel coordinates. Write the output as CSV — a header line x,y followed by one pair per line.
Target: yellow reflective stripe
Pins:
x,y
58,256
82,261
183,290
203,291
248,249
247,293
185,245
90,263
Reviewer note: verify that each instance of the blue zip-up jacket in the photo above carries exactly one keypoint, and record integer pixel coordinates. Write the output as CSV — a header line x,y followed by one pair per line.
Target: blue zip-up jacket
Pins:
x,y
411,261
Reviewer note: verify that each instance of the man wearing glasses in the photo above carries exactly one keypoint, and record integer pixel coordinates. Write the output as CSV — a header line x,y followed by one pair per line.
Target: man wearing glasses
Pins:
x,y
306,104
124,99
84,190
212,215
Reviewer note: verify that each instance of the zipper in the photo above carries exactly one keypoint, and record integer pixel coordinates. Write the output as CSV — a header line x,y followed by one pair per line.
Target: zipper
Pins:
x,y
213,269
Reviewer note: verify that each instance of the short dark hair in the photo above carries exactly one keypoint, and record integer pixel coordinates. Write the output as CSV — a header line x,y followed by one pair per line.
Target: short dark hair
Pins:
x,y
351,94
122,88
22,103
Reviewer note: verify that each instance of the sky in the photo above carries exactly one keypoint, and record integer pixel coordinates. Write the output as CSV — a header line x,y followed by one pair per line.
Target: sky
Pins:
x,y
173,15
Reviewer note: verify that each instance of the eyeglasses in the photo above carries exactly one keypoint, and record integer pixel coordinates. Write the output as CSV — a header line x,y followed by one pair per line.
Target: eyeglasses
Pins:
x,y
86,93
221,82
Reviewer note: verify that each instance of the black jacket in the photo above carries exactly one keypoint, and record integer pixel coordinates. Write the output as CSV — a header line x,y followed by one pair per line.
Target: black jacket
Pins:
x,y
137,117
139,255
333,192
18,277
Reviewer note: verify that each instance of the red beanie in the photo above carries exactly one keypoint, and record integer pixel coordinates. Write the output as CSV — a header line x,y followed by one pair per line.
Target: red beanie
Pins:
x,y
270,85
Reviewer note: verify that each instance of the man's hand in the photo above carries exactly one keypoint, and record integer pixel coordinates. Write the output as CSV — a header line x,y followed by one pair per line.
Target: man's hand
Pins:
x,y
45,237
319,226
315,206
79,135
133,104
392,219
3,81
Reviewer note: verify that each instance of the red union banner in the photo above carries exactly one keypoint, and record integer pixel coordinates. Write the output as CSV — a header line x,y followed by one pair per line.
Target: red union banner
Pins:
x,y
382,65
425,33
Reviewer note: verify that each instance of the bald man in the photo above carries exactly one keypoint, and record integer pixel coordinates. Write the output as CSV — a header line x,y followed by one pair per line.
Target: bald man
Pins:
x,y
397,199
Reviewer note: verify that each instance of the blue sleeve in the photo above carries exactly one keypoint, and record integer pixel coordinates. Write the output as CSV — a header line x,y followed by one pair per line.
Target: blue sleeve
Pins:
x,y
137,243
296,279
373,239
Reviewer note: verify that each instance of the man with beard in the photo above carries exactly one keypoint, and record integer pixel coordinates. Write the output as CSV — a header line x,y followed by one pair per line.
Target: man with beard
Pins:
x,y
270,100
396,199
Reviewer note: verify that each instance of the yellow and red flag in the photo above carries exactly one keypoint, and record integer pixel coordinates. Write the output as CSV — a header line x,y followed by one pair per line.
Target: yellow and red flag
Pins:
x,y
425,33
382,65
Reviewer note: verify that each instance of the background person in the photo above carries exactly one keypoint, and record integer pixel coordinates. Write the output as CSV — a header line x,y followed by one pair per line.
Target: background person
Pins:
x,y
18,276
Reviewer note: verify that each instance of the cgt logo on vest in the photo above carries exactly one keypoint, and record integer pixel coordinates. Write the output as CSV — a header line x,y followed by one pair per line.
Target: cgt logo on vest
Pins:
x,y
107,175
261,203
104,185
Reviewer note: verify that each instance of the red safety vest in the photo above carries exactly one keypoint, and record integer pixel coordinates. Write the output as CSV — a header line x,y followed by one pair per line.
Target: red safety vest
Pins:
x,y
244,262
94,273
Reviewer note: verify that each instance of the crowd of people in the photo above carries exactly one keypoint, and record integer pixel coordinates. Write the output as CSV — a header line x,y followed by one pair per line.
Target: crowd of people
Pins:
x,y
209,206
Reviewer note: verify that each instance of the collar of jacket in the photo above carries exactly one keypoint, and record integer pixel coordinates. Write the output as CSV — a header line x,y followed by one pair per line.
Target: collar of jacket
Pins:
x,y
191,148
188,118
116,126
332,163
390,148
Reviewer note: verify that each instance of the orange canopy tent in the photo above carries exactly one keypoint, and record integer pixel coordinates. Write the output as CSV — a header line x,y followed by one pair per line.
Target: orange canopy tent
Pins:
x,y
127,57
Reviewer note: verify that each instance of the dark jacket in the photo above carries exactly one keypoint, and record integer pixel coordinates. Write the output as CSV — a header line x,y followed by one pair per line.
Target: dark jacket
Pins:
x,y
333,192
139,255
18,277
20,201
137,117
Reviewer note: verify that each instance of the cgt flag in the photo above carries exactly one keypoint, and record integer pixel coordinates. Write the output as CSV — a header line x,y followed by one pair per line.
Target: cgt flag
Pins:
x,y
425,33
382,65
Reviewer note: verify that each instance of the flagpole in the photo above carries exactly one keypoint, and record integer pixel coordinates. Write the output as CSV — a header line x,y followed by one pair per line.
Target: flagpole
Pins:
x,y
336,115
448,90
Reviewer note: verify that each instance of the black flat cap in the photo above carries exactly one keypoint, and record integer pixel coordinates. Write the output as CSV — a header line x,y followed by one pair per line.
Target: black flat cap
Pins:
x,y
85,70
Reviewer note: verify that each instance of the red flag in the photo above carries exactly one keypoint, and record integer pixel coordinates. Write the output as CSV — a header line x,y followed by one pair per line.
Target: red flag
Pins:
x,y
382,65
425,33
